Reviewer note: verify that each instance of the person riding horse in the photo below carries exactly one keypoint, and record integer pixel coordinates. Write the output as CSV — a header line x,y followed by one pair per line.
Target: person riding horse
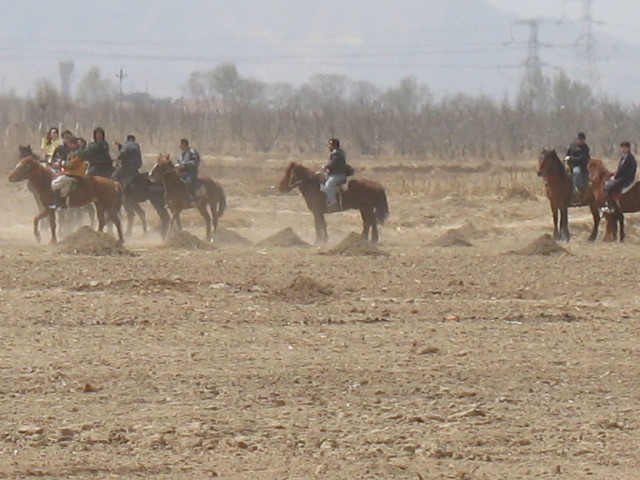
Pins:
x,y
73,169
97,154
577,158
61,151
188,165
49,144
624,177
336,174
130,161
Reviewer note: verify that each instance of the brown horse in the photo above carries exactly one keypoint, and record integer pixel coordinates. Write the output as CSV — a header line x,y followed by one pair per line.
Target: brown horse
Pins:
x,y
559,187
38,178
176,195
364,195
105,194
628,202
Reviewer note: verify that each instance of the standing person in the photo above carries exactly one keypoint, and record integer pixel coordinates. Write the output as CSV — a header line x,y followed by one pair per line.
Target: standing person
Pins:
x,y
577,158
337,173
97,154
129,161
188,164
73,169
49,144
624,177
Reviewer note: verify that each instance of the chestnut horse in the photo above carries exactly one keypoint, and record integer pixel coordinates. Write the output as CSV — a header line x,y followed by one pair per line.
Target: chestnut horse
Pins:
x,y
38,178
104,193
559,190
208,194
628,202
364,195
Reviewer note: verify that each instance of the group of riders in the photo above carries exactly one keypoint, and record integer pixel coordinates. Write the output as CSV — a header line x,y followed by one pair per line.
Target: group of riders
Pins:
x,y
72,158
577,158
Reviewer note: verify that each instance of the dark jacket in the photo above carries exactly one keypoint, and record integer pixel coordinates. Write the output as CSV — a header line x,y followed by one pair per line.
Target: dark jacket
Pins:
x,y
130,156
626,171
189,160
337,163
60,154
97,154
578,155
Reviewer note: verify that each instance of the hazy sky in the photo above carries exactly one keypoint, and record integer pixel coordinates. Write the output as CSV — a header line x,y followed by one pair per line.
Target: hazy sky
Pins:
x,y
616,17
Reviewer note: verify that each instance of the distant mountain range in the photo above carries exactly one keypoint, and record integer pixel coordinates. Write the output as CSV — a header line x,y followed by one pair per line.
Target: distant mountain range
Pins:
x,y
451,45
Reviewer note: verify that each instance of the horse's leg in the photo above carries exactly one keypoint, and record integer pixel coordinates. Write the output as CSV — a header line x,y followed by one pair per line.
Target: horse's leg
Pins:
x,y
366,222
595,213
621,220
130,216
202,208
115,219
611,230
564,224
554,213
165,219
321,227
100,215
176,220
36,223
213,205
141,214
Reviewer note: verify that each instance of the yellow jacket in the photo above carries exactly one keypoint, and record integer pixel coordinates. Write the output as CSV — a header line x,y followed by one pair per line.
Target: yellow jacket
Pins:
x,y
49,149
74,165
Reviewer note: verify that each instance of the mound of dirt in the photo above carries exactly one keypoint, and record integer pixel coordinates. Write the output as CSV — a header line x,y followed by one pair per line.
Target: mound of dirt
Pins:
x,y
454,237
187,241
229,237
284,238
305,290
544,245
354,245
86,241
519,193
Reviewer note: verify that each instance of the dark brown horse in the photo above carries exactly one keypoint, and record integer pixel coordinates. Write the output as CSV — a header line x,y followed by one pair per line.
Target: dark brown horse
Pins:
x,y
176,195
105,194
628,202
364,195
38,177
559,189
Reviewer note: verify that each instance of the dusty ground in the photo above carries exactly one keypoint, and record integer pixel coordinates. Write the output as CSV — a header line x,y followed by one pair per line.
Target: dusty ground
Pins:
x,y
433,360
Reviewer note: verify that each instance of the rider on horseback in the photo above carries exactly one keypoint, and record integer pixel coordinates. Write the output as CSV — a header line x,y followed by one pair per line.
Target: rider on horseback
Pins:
x,y
61,151
577,159
130,159
336,174
97,154
188,164
74,169
624,177
50,143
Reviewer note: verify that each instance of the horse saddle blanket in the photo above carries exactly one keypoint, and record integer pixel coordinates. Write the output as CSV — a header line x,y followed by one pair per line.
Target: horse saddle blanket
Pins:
x,y
627,188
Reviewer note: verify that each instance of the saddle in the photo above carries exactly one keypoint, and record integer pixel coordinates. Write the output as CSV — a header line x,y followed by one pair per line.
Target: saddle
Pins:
x,y
624,190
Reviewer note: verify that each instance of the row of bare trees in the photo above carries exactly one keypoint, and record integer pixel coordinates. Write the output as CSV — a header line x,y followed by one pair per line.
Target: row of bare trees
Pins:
x,y
224,112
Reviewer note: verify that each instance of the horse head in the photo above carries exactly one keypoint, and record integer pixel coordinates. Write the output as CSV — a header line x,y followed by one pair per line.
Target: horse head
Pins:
x,y
598,174
546,161
162,166
26,167
25,151
290,179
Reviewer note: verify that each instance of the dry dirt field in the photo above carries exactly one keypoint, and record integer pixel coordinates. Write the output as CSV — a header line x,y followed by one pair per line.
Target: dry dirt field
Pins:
x,y
458,350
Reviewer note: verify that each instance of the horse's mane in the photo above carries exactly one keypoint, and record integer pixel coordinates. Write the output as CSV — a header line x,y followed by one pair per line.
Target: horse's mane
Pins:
x,y
552,155
597,170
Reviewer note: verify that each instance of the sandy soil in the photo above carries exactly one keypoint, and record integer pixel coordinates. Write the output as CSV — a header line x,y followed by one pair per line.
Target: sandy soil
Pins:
x,y
467,349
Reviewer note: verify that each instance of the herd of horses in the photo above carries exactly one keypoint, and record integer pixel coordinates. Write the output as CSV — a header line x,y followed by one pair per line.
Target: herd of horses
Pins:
x,y
164,188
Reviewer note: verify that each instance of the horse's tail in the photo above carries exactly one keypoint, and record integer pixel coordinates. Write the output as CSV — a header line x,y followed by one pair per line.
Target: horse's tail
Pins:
x,y
382,207
218,192
117,205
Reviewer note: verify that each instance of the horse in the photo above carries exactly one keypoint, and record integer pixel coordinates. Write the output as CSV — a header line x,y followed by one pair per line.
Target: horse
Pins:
x,y
208,194
627,202
559,190
105,194
68,218
38,178
141,189
364,195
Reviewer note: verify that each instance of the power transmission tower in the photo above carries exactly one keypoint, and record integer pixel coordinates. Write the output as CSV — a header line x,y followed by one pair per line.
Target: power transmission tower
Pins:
x,y
587,43
532,88
121,76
